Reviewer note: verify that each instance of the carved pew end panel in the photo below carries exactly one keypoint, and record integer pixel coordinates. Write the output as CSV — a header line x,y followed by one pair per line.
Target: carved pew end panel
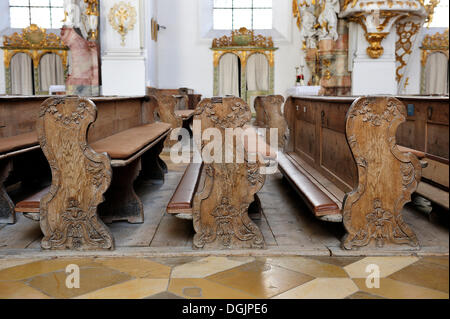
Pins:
x,y
387,177
7,214
80,177
220,207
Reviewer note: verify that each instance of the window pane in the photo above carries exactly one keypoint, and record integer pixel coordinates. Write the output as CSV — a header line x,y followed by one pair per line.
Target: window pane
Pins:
x,y
223,19
262,19
40,3
41,17
20,17
57,17
242,3
242,18
223,3
262,3
57,3
18,2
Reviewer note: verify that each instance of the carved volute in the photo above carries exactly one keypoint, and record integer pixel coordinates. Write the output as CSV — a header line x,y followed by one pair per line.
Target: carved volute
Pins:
x,y
166,113
80,176
220,209
387,177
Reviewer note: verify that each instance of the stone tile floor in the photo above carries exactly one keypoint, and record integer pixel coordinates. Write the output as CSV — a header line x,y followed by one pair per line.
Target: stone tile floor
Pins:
x,y
226,277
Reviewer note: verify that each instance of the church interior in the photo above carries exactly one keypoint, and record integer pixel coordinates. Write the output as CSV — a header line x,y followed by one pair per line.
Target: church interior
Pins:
x,y
224,149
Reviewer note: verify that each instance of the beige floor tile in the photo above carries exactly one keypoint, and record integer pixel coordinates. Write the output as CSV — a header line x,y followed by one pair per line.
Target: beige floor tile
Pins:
x,y
8,263
260,279
207,266
91,279
308,266
322,288
41,267
19,290
388,265
338,261
137,267
363,295
133,289
443,261
424,274
399,290
196,288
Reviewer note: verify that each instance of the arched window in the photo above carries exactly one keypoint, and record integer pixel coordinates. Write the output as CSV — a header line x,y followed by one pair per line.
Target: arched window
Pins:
x,y
44,13
235,14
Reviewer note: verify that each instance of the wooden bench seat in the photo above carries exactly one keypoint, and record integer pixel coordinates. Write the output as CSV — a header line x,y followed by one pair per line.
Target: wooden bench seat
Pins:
x,y
315,198
342,159
18,142
125,144
185,114
434,185
182,199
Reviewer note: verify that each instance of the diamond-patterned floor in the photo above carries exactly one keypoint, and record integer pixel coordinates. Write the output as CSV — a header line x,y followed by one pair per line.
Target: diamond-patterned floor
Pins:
x,y
227,278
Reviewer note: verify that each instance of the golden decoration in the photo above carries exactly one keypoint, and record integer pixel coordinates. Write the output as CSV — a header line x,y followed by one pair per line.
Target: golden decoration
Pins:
x,y
405,32
243,37
35,42
92,7
375,50
437,42
429,8
33,37
122,17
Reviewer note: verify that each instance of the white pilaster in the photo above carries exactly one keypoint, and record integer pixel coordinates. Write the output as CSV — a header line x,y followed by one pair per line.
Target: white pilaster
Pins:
x,y
123,67
374,76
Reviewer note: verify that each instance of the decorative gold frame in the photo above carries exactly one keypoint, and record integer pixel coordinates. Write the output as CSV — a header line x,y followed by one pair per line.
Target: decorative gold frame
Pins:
x,y
35,42
437,42
243,43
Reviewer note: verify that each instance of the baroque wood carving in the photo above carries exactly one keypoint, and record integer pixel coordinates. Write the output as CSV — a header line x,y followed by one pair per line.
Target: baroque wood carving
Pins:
x,y
387,176
220,209
166,113
273,118
80,177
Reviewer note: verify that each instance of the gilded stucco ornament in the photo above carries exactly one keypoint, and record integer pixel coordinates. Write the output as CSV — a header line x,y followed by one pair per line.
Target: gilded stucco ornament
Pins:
x,y
378,18
122,17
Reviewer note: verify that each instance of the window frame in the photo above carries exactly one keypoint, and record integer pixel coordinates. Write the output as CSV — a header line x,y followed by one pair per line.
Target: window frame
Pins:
x,y
233,9
49,7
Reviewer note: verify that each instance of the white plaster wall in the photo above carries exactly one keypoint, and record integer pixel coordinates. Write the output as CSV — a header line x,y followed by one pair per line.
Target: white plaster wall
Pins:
x,y
374,76
150,45
123,67
184,55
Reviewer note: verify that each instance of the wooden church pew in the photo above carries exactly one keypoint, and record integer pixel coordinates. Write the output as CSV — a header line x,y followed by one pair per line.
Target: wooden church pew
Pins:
x,y
344,162
220,194
82,172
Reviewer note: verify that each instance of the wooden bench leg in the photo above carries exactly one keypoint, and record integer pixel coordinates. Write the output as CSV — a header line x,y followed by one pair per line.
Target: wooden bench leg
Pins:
x,y
7,215
121,202
153,167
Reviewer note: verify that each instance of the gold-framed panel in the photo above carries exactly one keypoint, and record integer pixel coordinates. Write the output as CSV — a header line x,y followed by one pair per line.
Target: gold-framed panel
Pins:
x,y
35,42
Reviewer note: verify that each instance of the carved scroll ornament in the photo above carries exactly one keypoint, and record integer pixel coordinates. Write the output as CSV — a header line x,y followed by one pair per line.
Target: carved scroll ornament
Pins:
x,y
387,176
80,176
220,209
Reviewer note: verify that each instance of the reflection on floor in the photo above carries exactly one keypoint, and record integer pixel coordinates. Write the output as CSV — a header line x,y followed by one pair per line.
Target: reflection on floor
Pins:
x,y
227,277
